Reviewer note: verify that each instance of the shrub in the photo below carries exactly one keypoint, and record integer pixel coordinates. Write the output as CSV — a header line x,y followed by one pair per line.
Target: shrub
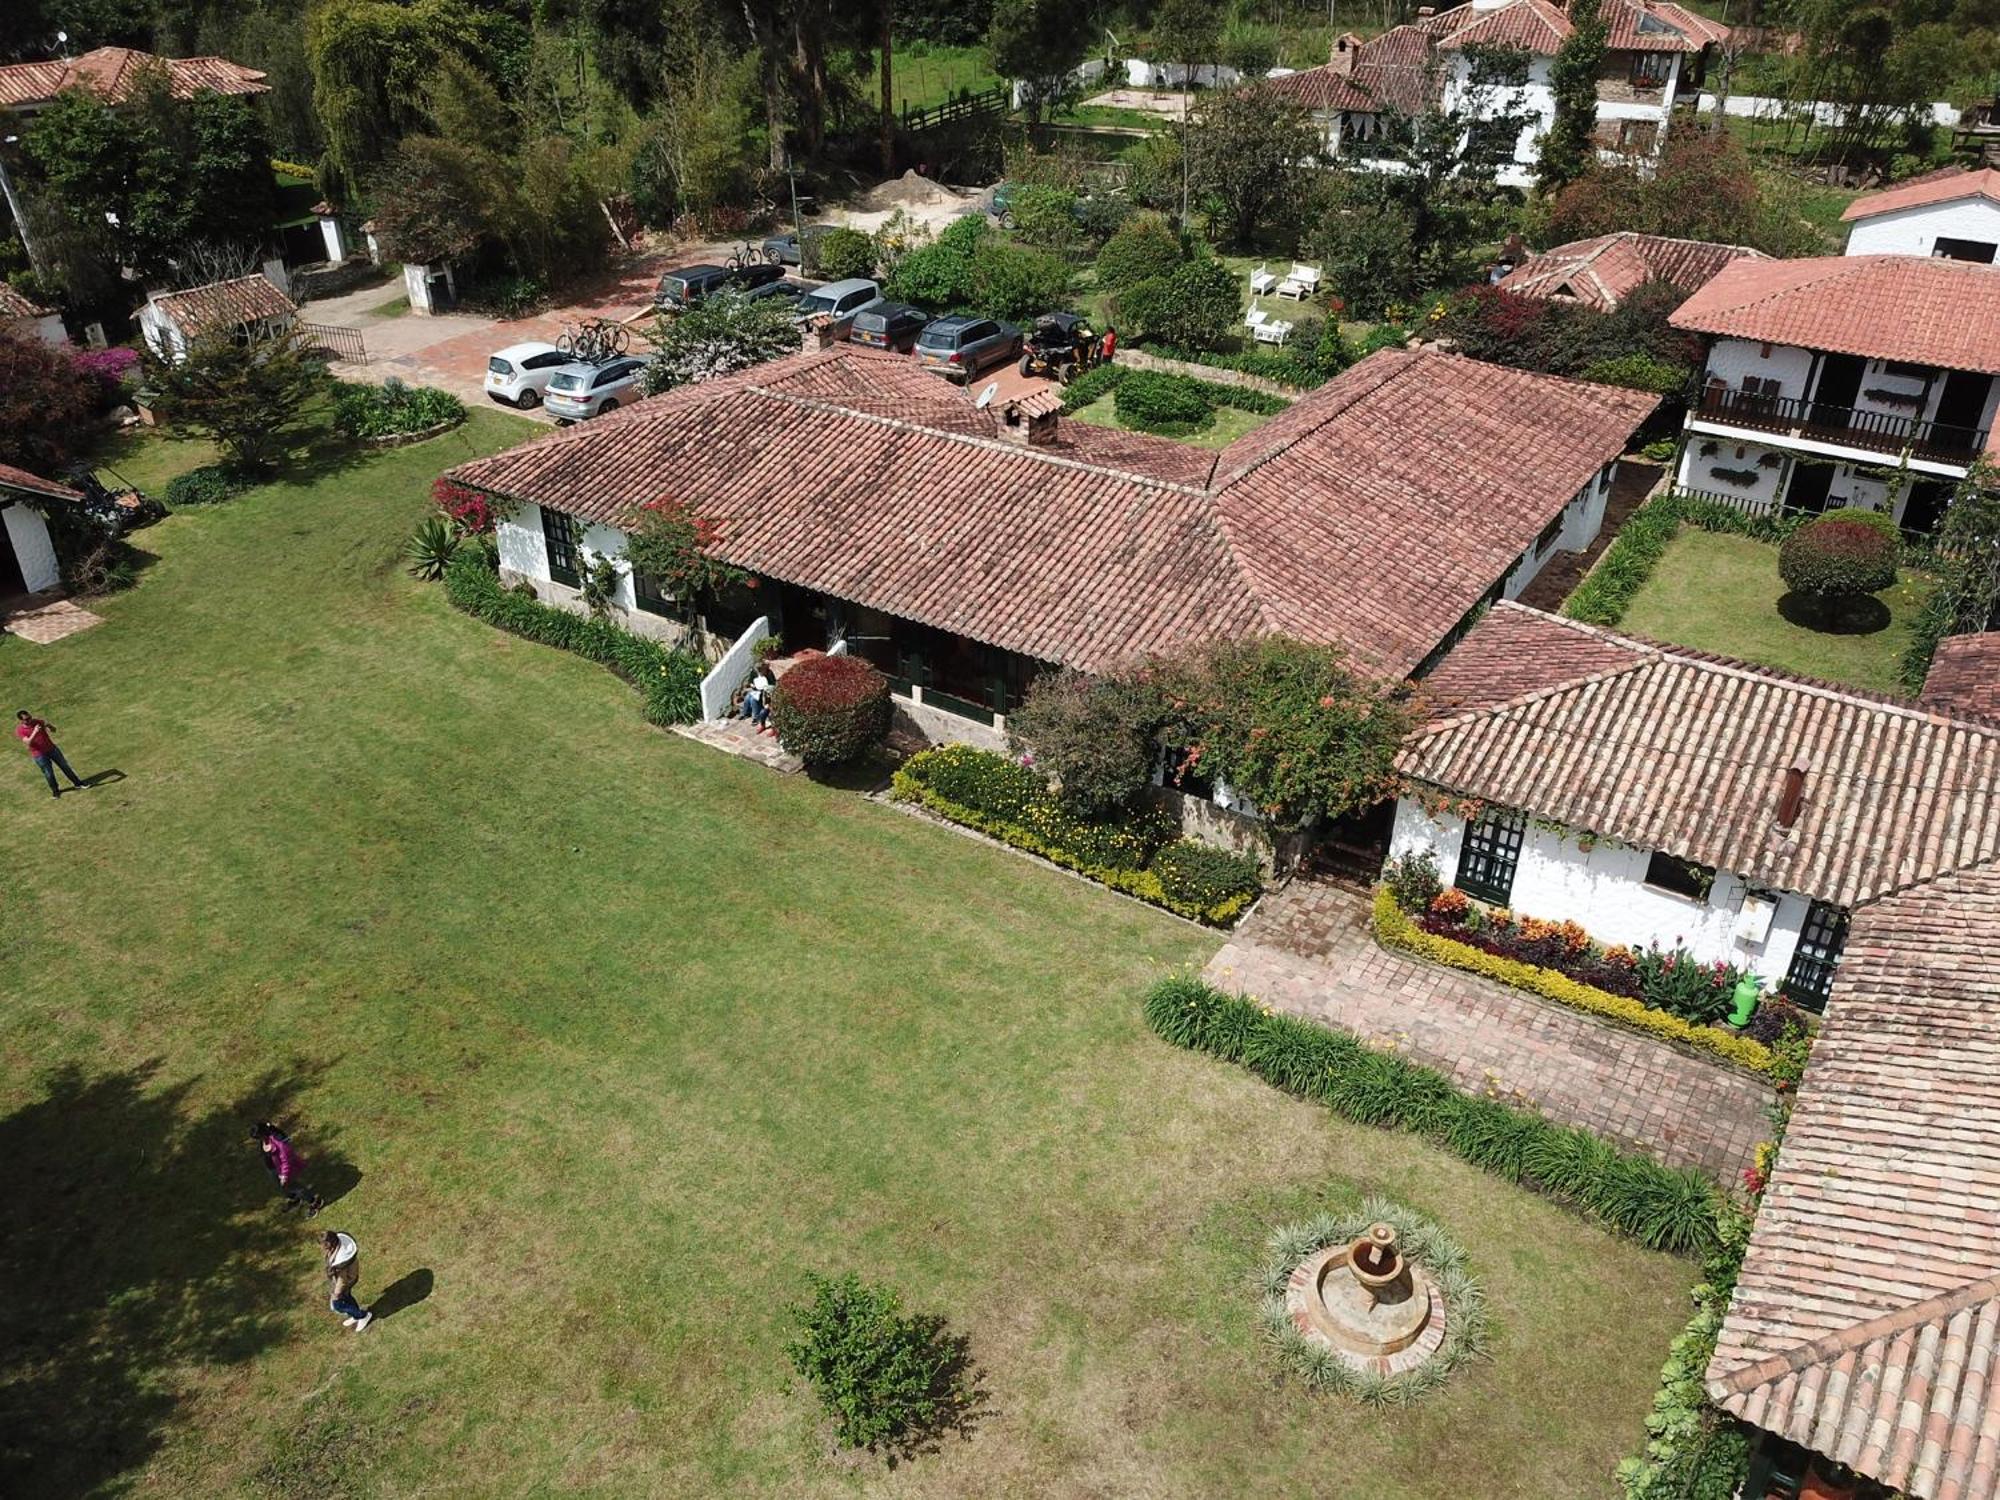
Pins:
x,y
1044,216
1094,735
367,411
1881,520
1664,1208
1194,305
1832,558
108,367
1607,590
1145,247
843,253
470,511
1015,283
883,1376
1154,402
1412,878
431,548
211,484
829,710
1098,380
1639,372
1197,874
669,681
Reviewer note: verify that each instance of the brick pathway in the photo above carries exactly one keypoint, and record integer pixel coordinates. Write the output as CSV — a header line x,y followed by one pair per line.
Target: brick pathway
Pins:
x,y
1307,950
44,618
736,737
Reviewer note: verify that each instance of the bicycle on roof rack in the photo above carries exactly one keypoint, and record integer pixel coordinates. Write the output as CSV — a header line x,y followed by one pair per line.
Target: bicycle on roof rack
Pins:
x,y
745,255
593,341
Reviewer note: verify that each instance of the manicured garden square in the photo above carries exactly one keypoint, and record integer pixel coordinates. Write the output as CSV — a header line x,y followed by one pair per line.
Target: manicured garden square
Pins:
x,y
1717,592
598,1040
1229,425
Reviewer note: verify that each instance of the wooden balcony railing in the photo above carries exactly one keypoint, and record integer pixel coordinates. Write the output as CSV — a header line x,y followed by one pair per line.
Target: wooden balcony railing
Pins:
x,y
1879,432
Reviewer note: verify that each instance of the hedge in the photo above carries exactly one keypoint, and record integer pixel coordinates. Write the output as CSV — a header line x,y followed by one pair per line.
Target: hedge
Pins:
x,y
669,681
1101,380
1394,929
1664,1208
829,710
1607,592
211,484
1283,368
1836,558
993,795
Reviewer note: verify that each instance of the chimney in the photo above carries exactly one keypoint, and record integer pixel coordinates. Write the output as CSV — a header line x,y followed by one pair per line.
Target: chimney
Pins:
x,y
823,331
1346,51
1034,429
1792,793
1042,429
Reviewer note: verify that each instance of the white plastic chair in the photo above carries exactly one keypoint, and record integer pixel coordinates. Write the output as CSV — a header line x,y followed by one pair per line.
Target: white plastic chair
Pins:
x,y
1275,331
1307,276
1254,320
1261,282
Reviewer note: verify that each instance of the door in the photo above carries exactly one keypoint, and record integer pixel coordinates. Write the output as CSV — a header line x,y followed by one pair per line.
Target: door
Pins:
x,y
1960,405
11,581
1925,507
1839,385
1809,487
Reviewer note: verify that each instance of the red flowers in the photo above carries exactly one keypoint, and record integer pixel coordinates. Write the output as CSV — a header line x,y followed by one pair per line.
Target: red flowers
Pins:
x,y
469,510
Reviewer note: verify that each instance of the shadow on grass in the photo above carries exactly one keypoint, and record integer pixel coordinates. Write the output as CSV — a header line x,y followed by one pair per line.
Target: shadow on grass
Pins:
x,y
1861,615
138,1238
963,1402
405,1291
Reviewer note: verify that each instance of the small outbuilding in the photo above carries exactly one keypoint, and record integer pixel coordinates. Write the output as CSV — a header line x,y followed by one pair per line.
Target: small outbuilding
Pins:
x,y
243,307
21,315
27,554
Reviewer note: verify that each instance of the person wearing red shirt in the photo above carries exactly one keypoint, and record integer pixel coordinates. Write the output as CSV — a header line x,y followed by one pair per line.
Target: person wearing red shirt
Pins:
x,y
1110,345
41,745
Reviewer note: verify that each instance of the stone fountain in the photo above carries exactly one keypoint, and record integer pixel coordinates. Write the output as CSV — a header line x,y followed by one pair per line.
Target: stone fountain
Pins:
x,y
1368,1303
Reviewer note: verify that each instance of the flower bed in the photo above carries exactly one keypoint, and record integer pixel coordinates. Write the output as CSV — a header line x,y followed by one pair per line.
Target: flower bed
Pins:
x,y
394,413
669,681
1139,854
1444,939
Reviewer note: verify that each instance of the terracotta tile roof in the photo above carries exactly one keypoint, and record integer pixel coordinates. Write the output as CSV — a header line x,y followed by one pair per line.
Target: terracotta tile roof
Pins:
x,y
1537,25
1373,514
1696,25
1965,675
12,478
1686,753
1632,27
112,73
1866,1320
1946,186
1518,650
14,305
1391,72
225,304
1903,307
1602,272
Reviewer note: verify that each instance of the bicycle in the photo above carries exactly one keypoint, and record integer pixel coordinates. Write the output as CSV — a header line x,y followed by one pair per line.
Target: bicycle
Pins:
x,y
745,255
593,342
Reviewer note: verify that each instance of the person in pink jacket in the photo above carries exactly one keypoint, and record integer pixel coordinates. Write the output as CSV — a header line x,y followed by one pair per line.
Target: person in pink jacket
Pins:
x,y
283,1161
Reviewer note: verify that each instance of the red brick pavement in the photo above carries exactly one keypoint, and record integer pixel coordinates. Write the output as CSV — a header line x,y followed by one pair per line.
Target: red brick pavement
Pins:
x,y
1307,950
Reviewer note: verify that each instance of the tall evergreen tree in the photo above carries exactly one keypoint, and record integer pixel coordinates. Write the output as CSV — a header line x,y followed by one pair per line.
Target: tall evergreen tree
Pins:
x,y
1568,149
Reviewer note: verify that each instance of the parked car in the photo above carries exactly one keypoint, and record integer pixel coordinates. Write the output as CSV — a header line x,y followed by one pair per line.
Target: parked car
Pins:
x,y
887,325
750,278
785,249
841,300
787,289
687,286
585,390
960,347
518,374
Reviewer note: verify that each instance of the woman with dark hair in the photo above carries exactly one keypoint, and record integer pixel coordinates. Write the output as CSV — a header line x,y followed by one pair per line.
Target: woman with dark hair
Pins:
x,y
284,1164
343,1273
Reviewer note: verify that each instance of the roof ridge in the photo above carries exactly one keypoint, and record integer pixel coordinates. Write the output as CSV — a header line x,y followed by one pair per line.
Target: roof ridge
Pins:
x,y
1399,361
1852,1339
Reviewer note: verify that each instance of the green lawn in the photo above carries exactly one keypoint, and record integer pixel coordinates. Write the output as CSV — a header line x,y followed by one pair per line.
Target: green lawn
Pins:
x,y
600,1040
1230,424
1720,593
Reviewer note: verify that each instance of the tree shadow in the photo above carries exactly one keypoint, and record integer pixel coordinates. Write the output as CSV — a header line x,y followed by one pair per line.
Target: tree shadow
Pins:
x,y
963,1401
405,1291
136,1240
1861,614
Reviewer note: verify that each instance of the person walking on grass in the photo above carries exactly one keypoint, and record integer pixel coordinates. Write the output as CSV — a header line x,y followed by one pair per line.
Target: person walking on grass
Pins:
x,y
343,1273
39,736
282,1158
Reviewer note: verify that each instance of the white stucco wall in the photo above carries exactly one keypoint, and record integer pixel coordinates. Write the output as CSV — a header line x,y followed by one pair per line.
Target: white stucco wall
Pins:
x,y
1534,100
161,333
1582,518
1915,231
28,534
1731,360
1697,471
48,328
1604,891
522,552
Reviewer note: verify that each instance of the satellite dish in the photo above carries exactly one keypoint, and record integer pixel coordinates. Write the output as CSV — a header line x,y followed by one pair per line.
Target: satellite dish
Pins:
x,y
986,396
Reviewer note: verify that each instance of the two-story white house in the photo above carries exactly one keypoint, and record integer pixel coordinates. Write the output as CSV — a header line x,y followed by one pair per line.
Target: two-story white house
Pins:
x,y
1953,214
1860,380
1655,54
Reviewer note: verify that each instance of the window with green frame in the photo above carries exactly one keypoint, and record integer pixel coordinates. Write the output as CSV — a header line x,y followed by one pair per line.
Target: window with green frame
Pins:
x,y
1489,855
560,535
653,599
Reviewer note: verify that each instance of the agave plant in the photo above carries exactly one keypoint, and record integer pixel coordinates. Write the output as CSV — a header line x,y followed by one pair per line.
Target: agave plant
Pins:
x,y
431,549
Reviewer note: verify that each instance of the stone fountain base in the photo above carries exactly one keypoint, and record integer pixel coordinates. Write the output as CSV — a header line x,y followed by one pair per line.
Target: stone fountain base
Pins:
x,y
1380,1335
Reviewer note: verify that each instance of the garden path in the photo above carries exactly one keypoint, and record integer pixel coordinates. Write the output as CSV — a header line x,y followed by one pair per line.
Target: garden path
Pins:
x,y
1307,950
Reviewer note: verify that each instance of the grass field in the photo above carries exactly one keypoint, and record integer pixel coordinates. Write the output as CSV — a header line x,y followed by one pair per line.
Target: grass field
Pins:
x,y
1721,593
598,1040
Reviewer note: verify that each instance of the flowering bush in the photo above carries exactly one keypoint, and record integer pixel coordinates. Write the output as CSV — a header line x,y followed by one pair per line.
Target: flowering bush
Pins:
x,y
391,409
469,511
674,547
108,367
1834,557
829,710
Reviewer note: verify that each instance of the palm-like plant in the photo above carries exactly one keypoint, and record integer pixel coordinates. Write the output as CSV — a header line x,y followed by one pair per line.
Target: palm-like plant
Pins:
x,y
431,549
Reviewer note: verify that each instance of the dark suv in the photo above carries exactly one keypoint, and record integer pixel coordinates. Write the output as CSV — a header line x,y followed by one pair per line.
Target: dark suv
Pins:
x,y
887,325
960,347
687,286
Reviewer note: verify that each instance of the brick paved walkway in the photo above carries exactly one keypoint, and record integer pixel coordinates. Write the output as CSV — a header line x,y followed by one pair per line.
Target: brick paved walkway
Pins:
x,y
1307,950
734,736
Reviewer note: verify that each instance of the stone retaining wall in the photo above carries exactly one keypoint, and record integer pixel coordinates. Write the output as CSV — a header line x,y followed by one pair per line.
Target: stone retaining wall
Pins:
x,y
1139,359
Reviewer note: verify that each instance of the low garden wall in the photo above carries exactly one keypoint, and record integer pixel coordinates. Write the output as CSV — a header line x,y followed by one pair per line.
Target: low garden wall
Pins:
x,y
1140,359
408,439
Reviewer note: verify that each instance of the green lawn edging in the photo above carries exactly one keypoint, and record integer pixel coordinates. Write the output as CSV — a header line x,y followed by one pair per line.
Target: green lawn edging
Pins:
x,y
1607,592
1394,929
1674,1209
669,681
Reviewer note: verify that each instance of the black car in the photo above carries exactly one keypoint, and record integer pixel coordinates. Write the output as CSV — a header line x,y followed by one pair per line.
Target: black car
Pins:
x,y
687,286
784,248
786,290
887,325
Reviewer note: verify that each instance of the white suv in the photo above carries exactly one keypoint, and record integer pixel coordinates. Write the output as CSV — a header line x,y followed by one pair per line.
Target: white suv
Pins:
x,y
520,373
585,390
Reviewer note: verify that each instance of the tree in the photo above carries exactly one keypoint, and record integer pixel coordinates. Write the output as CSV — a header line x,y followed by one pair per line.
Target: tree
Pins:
x,y
718,336
1143,247
1038,43
434,200
1252,150
1288,725
1093,735
1192,307
938,277
1187,33
1570,147
46,402
1014,282
251,397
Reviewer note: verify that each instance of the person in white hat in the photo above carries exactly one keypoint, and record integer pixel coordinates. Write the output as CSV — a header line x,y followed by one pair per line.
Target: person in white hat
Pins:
x,y
343,1272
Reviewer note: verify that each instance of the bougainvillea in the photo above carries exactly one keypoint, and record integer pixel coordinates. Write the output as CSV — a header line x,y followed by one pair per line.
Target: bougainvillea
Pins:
x,y
674,547
470,511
